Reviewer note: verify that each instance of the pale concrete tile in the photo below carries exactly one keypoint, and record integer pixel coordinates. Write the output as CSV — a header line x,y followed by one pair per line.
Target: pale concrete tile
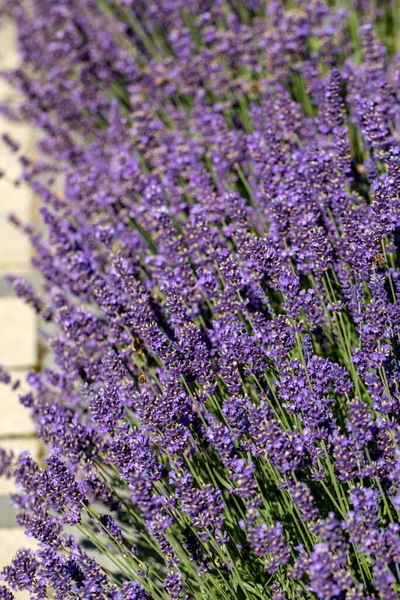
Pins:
x,y
21,134
15,247
18,199
5,288
18,340
7,93
21,595
47,360
7,513
17,446
9,58
16,418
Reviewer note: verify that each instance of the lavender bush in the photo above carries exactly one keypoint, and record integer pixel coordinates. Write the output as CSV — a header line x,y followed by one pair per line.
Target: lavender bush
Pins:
x,y
220,286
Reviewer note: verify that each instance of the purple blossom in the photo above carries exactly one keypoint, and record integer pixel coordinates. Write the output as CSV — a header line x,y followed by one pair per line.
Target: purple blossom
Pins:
x,y
5,593
111,527
218,241
21,573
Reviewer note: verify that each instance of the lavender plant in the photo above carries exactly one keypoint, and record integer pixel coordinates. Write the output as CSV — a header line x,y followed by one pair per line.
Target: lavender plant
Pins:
x,y
221,290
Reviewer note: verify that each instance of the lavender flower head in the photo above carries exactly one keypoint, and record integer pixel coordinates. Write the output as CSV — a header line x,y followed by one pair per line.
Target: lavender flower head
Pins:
x,y
218,251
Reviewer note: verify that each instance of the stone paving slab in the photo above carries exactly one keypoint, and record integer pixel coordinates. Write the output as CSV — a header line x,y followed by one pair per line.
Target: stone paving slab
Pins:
x,y
17,421
9,58
15,250
7,514
18,323
18,339
22,135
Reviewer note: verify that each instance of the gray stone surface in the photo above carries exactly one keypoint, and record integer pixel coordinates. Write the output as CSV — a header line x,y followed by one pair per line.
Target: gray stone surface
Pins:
x,y
18,339
18,324
16,420
7,513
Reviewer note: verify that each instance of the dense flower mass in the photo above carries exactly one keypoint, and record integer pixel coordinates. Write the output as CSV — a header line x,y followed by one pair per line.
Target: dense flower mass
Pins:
x,y
219,185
